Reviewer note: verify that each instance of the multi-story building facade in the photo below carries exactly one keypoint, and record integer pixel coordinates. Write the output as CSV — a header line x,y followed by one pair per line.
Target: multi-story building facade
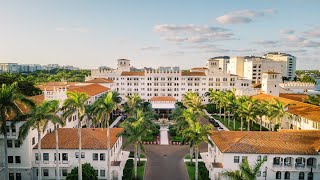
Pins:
x,y
287,154
223,62
172,83
289,63
30,67
9,68
20,156
253,67
94,151
236,66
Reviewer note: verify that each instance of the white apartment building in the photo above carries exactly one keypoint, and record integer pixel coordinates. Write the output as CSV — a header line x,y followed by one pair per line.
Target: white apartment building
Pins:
x,y
173,83
223,62
289,63
30,67
253,67
20,155
9,68
288,154
94,151
236,66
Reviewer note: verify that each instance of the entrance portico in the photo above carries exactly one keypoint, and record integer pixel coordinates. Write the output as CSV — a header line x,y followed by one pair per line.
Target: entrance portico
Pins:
x,y
163,105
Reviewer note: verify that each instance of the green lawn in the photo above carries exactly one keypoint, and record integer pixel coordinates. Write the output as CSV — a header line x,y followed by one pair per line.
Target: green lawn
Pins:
x,y
255,127
141,168
188,157
176,138
131,155
203,173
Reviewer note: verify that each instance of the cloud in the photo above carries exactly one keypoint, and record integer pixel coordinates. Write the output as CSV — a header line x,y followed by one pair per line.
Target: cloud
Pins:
x,y
315,32
242,16
286,31
148,48
191,33
244,50
266,42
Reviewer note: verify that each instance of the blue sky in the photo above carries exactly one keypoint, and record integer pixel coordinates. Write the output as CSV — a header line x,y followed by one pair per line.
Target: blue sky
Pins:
x,y
92,33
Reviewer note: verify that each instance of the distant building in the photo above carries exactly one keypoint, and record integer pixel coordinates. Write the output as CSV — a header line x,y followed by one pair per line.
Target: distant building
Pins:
x,y
223,62
236,66
49,67
30,67
289,66
9,68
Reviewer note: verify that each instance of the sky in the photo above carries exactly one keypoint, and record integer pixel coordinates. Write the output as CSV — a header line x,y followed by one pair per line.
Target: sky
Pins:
x,y
153,33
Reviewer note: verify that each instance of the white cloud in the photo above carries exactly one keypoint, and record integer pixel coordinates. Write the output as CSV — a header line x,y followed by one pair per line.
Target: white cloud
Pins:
x,y
296,41
192,33
286,31
244,50
266,42
315,32
147,48
242,16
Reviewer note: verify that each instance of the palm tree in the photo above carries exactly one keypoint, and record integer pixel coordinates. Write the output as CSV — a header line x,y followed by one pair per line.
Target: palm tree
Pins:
x,y
248,109
57,122
134,128
246,171
9,97
313,99
240,100
103,107
279,111
133,102
216,98
230,103
38,118
196,134
75,104
263,109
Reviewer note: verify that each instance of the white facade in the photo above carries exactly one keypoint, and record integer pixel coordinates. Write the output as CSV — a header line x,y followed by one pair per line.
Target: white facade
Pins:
x,y
270,83
253,68
296,87
172,83
289,63
223,62
236,65
9,68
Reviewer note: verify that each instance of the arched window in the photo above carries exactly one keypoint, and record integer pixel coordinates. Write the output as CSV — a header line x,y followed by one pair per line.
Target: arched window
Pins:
x,y
310,176
301,176
278,175
287,175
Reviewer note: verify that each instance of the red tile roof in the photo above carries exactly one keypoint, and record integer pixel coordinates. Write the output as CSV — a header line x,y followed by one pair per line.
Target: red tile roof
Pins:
x,y
100,80
254,142
92,138
295,97
193,74
132,73
304,110
91,90
163,98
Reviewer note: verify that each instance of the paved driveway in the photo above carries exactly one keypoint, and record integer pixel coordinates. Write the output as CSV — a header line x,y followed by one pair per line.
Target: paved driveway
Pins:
x,y
166,162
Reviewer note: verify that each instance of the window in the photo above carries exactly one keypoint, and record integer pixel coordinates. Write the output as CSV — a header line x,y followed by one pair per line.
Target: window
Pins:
x,y
301,176
259,174
17,143
95,156
10,159
278,175
64,156
77,154
8,129
265,158
56,158
102,173
45,156
64,172
244,158
33,140
9,143
13,131
102,157
276,161
83,155
18,176
45,172
287,175
36,156
259,158
18,159
236,159
11,176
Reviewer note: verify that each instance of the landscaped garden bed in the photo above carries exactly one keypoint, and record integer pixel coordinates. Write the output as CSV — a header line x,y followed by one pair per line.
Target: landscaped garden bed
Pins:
x,y
203,173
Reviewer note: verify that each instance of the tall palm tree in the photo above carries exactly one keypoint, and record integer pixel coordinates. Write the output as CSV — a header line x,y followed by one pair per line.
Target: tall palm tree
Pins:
x,y
9,97
59,121
230,103
240,100
263,109
133,102
196,134
135,127
38,118
279,111
249,110
76,104
246,171
103,107
216,98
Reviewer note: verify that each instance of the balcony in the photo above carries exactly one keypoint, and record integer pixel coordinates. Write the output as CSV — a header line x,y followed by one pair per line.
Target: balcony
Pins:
x,y
51,164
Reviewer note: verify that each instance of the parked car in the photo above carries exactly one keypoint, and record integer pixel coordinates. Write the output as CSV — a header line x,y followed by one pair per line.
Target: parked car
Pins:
x,y
211,120
220,129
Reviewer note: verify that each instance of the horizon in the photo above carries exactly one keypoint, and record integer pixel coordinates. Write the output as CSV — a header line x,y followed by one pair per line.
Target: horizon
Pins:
x,y
153,34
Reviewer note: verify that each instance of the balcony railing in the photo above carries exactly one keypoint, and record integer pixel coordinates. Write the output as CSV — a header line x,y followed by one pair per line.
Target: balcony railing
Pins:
x,y
296,167
51,163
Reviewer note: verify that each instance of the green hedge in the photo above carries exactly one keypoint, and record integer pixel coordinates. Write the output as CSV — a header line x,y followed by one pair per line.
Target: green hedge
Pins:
x,y
203,172
127,171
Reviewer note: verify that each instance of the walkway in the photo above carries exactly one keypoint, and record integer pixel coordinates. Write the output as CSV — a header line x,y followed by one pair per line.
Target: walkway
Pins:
x,y
164,139
115,122
220,124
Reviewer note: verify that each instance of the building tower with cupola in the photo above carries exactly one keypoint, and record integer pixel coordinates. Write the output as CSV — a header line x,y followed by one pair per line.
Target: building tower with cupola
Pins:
x,y
270,83
123,65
